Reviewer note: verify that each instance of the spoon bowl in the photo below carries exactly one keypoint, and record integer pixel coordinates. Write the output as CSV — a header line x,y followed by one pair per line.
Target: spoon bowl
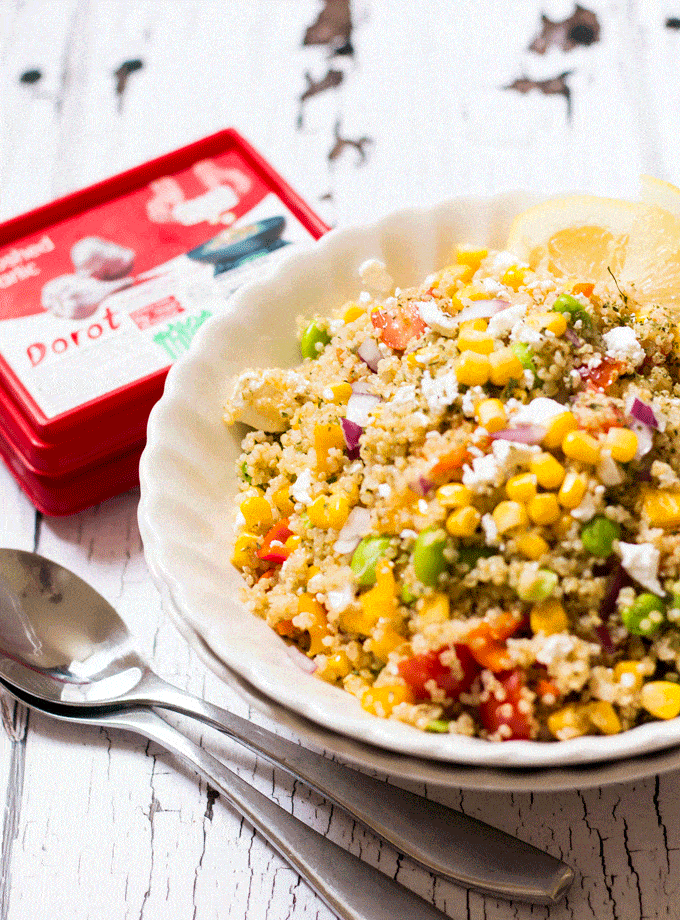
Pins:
x,y
66,648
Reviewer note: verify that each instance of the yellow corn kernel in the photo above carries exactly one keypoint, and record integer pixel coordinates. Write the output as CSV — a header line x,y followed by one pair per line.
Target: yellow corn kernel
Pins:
x,y
436,609
450,277
315,622
472,369
312,571
629,675
292,543
531,545
257,512
380,601
513,277
463,522
337,510
465,255
551,322
622,444
472,340
504,366
604,717
244,547
508,515
661,699
470,292
326,438
474,325
453,495
548,618
572,490
353,311
490,413
569,722
281,499
522,487
316,512
662,508
380,701
559,426
544,508
336,667
384,640
548,470
581,446
341,393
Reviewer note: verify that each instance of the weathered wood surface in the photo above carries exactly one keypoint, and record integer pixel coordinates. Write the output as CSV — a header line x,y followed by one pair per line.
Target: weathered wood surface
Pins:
x,y
428,100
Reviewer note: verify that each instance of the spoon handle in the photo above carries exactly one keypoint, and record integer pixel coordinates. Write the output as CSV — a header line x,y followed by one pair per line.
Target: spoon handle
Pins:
x,y
351,888
447,842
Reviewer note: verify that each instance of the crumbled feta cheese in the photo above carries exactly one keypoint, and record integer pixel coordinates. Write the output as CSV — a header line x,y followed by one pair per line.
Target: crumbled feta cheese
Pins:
x,y
340,600
537,412
404,394
365,297
485,471
501,323
512,454
407,534
502,261
522,332
470,400
300,488
623,346
374,275
436,319
439,392
491,286
490,530
384,490
641,561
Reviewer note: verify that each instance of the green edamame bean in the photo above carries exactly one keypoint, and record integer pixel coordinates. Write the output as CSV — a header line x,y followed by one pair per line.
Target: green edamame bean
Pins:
x,y
525,355
645,616
428,554
599,534
565,303
365,558
437,725
314,340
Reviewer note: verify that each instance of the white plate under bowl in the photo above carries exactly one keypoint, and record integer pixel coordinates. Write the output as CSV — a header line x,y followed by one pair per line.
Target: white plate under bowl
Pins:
x,y
189,482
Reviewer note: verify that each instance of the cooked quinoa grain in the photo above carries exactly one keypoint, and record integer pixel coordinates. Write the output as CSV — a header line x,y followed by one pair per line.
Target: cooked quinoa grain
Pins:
x,y
464,504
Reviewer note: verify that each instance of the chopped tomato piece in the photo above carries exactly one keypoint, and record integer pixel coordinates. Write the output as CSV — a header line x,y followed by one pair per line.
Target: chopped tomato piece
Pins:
x,y
603,376
493,712
421,669
584,287
399,325
487,641
285,628
273,548
547,688
447,464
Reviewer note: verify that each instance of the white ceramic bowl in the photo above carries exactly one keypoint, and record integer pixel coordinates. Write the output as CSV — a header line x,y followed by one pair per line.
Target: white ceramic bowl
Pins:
x,y
189,482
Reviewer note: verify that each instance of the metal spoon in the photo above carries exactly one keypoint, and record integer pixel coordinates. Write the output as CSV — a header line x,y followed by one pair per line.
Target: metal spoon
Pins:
x,y
351,888
62,643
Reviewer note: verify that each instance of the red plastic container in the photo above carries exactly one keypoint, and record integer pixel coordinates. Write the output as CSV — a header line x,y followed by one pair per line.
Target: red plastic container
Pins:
x,y
102,290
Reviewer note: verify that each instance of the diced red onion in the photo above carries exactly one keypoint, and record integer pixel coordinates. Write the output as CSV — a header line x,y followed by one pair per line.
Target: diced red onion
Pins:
x,y
605,638
573,338
641,412
421,485
524,434
352,433
617,580
369,353
358,524
645,438
481,309
300,659
359,407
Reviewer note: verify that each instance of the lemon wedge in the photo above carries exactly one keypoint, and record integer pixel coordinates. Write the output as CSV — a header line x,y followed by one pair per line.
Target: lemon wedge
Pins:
x,y
589,239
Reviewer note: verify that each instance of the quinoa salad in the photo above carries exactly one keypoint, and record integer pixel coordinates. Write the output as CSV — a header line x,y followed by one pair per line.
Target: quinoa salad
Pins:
x,y
463,506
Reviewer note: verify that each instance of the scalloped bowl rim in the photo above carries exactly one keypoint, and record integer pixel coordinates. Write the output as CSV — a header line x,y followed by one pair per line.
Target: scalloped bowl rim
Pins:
x,y
262,661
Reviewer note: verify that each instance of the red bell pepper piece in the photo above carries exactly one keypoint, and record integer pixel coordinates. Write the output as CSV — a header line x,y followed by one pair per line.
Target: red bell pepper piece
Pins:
x,y
273,547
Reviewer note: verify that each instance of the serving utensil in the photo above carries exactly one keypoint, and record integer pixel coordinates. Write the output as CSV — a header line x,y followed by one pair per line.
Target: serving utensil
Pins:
x,y
354,890
65,646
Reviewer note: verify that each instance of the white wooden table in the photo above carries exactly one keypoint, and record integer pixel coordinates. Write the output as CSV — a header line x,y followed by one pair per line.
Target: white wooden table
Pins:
x,y
97,826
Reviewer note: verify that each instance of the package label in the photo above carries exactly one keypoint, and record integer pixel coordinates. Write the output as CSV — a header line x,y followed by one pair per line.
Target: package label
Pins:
x,y
118,292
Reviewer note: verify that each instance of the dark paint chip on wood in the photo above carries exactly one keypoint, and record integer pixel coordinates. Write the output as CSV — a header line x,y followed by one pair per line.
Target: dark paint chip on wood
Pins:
x,y
580,29
333,27
30,76
122,73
